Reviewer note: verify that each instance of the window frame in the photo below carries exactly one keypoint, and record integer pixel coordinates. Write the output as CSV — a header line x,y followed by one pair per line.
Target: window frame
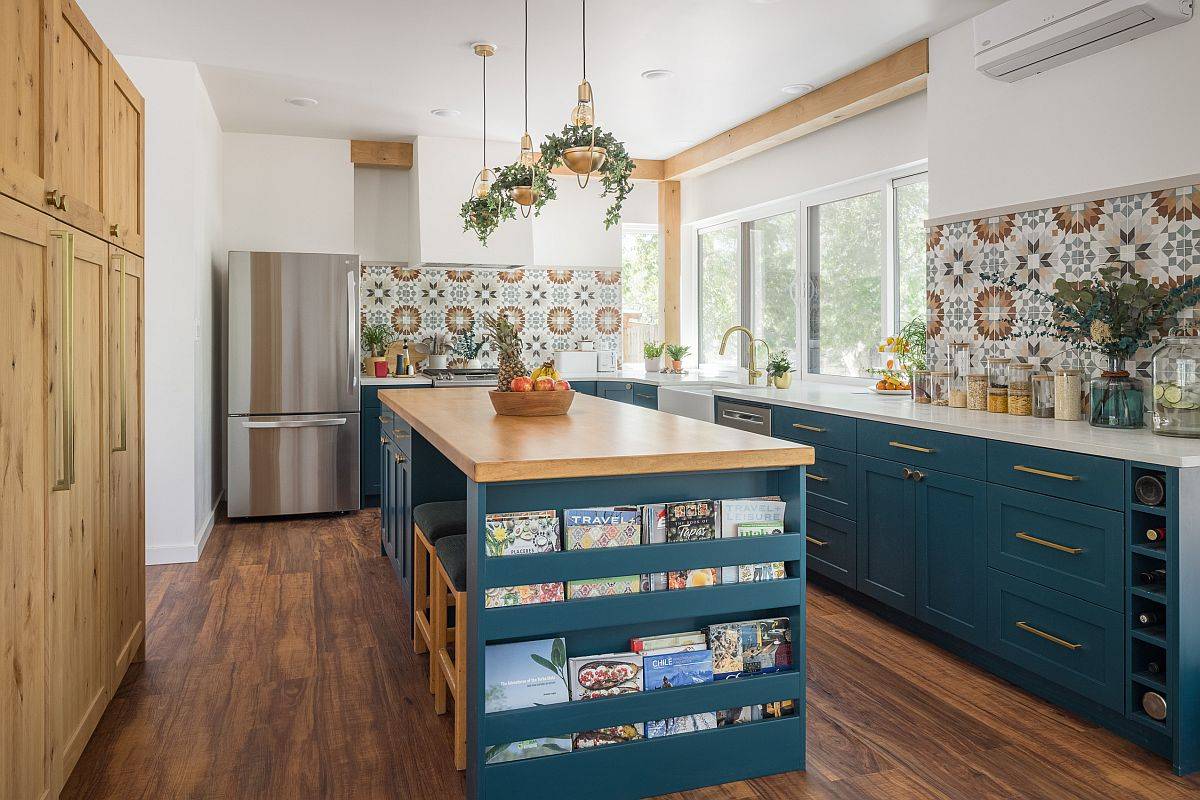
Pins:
x,y
644,228
885,183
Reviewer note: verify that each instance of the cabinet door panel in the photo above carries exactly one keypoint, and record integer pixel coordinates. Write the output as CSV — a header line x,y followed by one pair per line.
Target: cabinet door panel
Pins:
x,y
952,554
370,446
385,497
886,533
615,390
125,586
24,263
24,98
123,171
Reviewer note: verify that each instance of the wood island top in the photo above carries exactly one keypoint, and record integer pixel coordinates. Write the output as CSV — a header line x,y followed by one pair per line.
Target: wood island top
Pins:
x,y
596,438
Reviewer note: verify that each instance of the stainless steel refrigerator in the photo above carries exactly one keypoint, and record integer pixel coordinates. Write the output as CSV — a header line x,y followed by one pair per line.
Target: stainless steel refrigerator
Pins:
x,y
293,424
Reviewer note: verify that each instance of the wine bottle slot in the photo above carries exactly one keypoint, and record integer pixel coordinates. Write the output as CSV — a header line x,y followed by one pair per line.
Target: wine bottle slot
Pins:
x,y
1155,705
1148,618
1156,535
1154,668
1153,577
1150,490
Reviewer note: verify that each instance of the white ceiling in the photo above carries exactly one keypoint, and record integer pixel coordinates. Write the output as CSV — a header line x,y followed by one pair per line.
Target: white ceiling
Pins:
x,y
379,66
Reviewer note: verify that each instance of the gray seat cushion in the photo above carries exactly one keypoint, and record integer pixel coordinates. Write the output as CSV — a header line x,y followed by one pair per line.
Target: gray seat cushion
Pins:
x,y
444,518
452,552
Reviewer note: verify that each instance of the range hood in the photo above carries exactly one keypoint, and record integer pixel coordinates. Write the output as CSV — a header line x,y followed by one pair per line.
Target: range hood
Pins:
x,y
569,234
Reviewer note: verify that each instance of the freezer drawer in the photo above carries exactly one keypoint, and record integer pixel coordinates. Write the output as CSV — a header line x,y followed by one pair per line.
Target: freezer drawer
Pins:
x,y
294,464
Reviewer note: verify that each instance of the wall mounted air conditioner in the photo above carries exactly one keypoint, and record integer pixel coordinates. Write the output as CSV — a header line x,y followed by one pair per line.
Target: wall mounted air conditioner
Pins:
x,y
1024,37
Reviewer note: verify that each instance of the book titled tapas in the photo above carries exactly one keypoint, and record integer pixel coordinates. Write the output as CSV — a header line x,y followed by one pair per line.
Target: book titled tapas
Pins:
x,y
523,675
753,647
527,595
672,670
605,675
691,521
521,533
604,587
608,526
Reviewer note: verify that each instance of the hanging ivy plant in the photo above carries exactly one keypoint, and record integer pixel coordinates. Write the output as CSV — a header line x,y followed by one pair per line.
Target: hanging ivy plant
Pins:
x,y
484,214
614,172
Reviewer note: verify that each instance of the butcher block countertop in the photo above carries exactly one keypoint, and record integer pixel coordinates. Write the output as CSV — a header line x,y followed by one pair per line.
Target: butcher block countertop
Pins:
x,y
596,438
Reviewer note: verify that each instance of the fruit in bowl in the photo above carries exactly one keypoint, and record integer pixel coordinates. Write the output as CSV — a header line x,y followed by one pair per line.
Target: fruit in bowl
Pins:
x,y
561,385
543,385
521,383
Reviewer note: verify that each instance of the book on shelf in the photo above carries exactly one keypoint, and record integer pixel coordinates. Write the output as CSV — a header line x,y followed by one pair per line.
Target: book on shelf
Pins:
x,y
767,571
753,516
671,670
615,734
691,521
738,715
526,595
753,647
604,587
521,533
694,578
523,675
654,531
605,526
605,675
693,640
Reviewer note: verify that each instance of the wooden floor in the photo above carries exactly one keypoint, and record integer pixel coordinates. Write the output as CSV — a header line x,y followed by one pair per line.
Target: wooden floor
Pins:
x,y
277,668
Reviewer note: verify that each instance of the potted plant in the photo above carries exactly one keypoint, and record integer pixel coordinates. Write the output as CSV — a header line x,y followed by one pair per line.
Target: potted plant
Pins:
x,y
375,340
652,351
438,357
608,158
1113,314
677,352
779,368
467,347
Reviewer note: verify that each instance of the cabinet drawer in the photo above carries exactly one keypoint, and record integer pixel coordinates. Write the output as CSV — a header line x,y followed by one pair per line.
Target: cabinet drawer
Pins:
x,y
1062,638
369,398
1074,476
645,396
830,481
584,387
947,452
831,546
401,433
1067,546
813,427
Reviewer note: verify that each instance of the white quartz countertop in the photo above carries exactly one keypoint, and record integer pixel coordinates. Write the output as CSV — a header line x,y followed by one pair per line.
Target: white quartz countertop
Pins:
x,y
861,403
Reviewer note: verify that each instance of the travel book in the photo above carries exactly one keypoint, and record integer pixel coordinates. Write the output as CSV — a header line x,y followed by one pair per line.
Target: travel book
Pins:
x,y
750,648
738,715
604,587
522,675
693,640
610,526
529,594
671,670
605,675
754,516
521,533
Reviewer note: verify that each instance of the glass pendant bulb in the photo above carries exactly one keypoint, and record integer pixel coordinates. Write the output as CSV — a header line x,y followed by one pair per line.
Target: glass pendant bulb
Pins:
x,y
483,183
583,114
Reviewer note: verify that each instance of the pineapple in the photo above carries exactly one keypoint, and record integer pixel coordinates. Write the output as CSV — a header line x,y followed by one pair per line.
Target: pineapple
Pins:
x,y
508,349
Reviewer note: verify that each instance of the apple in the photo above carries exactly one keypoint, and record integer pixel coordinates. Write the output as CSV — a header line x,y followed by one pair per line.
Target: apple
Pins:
x,y
521,383
562,386
543,385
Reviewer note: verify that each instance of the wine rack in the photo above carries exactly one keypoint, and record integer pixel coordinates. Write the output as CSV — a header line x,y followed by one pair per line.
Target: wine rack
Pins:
x,y
1150,577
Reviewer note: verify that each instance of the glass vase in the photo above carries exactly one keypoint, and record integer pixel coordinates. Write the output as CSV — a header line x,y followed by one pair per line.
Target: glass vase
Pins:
x,y
1117,399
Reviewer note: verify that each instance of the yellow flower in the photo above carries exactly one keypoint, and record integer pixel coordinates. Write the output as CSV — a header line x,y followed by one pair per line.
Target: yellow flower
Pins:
x,y
1100,332
500,533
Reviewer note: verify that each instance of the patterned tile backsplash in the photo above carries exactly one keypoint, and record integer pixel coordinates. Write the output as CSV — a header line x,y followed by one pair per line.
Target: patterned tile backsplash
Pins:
x,y
1156,234
554,309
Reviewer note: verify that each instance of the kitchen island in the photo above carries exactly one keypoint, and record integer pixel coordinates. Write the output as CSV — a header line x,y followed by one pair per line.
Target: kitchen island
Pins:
x,y
450,445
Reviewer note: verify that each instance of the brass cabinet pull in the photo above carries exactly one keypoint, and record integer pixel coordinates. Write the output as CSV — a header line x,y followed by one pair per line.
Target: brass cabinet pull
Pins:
x,y
1049,637
1052,545
383,440
1044,473
115,230
66,350
812,476
121,359
381,419
56,199
913,447
629,386
812,540
812,428
399,458
912,474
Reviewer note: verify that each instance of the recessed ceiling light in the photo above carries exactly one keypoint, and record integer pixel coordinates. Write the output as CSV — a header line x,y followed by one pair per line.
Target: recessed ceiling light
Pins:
x,y
657,74
303,102
797,88
445,113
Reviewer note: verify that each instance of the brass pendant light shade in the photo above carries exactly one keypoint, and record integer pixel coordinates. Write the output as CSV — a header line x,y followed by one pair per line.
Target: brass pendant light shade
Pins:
x,y
583,161
485,177
526,196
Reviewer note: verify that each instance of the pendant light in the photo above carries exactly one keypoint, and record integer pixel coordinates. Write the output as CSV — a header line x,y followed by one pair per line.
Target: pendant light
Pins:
x,y
526,196
485,177
583,161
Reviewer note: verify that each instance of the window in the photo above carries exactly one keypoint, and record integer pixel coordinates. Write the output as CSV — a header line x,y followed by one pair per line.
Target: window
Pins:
x,y
640,289
825,276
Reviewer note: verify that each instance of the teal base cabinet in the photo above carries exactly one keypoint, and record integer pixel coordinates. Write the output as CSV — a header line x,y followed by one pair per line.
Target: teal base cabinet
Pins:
x,y
371,443
584,387
887,533
645,396
952,554
832,543
621,391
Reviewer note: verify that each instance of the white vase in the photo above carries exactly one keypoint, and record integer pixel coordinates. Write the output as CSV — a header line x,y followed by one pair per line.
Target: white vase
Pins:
x,y
654,364
437,362
474,363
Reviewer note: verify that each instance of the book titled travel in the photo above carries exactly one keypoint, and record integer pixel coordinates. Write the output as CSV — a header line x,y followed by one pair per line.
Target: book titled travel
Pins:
x,y
521,533
754,516
671,670
604,587
605,675
691,521
753,647
523,675
606,526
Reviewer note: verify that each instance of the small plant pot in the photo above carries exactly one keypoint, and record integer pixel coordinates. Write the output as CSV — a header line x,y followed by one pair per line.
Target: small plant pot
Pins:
x,y
474,363
653,365
525,195
782,381
437,362
676,364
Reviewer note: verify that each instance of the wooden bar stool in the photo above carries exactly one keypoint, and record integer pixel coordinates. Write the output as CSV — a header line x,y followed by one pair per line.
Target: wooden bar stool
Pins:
x,y
450,578
431,521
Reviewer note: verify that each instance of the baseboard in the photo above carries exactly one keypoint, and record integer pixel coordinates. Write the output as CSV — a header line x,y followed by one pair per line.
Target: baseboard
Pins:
x,y
185,553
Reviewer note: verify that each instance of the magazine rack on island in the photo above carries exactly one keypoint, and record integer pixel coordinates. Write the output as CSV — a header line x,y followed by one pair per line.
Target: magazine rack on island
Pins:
x,y
610,454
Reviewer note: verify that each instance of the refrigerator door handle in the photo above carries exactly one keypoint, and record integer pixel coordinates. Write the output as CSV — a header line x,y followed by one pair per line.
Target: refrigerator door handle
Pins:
x,y
294,423
351,332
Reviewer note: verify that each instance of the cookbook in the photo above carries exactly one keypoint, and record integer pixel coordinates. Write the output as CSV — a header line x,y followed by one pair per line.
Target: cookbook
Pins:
x,y
671,670
521,533
522,675
606,526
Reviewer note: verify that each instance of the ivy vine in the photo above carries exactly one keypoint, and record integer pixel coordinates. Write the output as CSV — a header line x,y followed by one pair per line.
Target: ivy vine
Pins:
x,y
484,214
614,172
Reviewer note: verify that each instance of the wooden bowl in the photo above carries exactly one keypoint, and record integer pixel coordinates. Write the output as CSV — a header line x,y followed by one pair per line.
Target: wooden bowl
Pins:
x,y
532,404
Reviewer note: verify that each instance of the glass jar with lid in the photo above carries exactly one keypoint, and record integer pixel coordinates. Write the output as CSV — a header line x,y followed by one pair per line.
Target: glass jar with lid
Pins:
x,y
941,382
1176,392
960,370
1070,388
922,386
1020,390
997,391
1043,396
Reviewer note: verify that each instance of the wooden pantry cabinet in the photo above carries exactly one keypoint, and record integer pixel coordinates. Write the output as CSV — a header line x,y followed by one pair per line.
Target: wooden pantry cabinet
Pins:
x,y
71,127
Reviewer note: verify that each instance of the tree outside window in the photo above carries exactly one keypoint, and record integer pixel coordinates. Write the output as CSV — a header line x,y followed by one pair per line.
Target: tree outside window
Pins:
x,y
640,291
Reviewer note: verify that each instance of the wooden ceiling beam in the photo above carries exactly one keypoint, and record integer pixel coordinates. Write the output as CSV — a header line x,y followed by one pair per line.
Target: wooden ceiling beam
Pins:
x,y
897,76
381,154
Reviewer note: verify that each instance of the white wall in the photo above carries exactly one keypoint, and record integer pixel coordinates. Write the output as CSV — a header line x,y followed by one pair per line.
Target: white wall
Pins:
x,y
287,193
1117,118
570,231
183,263
382,213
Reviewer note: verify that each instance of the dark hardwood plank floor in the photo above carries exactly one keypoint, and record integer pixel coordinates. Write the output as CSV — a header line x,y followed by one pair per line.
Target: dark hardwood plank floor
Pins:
x,y
277,668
